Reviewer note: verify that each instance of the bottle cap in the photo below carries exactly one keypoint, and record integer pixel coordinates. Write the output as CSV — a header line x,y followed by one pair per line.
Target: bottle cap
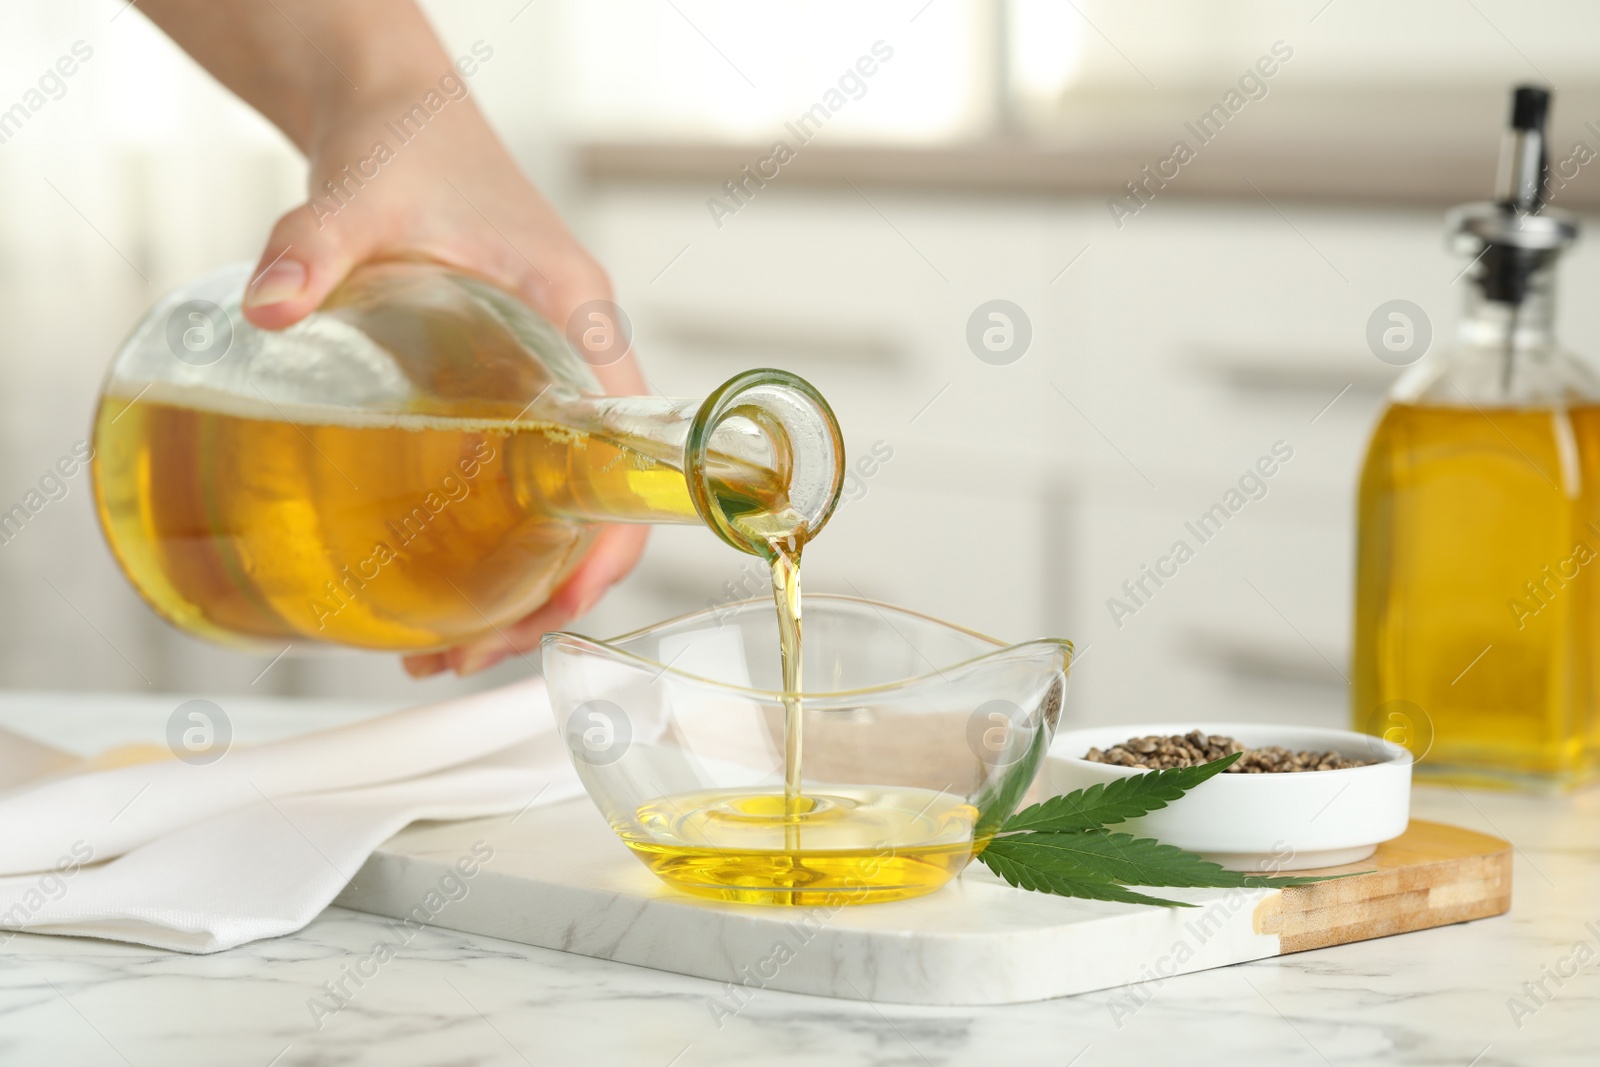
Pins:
x,y
1529,105
1515,235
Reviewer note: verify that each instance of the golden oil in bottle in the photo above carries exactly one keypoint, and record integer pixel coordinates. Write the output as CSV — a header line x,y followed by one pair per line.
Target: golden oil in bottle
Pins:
x,y
1477,593
1477,618
239,520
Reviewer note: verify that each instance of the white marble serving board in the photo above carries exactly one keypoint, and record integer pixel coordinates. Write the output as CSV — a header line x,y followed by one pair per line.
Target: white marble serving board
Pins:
x,y
557,877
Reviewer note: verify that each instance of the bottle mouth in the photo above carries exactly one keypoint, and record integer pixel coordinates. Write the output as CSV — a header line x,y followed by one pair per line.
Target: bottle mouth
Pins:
x,y
1471,227
765,461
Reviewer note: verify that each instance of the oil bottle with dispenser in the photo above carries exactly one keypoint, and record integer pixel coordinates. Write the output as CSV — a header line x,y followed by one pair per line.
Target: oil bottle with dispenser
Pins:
x,y
1477,616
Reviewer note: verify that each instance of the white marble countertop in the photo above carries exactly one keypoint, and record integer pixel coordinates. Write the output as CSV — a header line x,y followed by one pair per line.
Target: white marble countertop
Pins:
x,y
1465,995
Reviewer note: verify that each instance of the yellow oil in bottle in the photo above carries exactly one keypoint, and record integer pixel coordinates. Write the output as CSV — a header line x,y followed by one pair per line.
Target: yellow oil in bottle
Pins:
x,y
1476,591
399,533
255,523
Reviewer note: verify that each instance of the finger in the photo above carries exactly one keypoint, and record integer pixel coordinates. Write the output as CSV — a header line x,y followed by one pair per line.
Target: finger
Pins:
x,y
613,555
425,664
616,550
304,259
574,293
622,376
520,637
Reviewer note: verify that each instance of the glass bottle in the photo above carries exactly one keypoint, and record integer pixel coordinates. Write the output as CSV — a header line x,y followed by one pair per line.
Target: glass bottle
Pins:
x,y
422,460
1479,517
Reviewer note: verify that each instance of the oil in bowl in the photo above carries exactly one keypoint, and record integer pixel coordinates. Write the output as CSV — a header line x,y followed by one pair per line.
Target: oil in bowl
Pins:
x,y
836,845
919,738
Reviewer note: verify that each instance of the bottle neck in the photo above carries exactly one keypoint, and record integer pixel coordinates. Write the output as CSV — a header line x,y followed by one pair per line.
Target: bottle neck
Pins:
x,y
758,459
1521,329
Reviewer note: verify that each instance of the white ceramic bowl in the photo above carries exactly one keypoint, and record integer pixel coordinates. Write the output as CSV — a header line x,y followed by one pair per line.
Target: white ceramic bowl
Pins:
x,y
1261,822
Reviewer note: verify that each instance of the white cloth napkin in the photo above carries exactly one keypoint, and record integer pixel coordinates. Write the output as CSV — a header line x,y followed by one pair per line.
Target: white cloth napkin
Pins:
x,y
203,858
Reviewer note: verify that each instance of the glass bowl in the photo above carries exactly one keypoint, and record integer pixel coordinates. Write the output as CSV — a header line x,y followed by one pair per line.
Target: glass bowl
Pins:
x,y
919,739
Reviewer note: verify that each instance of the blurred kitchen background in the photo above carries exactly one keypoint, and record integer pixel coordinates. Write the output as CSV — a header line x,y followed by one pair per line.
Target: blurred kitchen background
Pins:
x,y
1167,354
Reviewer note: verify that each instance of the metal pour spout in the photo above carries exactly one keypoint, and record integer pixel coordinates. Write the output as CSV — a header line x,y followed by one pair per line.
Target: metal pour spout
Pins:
x,y
1523,163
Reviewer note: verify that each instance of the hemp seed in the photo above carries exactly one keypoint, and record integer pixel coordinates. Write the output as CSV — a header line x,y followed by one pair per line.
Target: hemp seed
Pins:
x,y
1194,748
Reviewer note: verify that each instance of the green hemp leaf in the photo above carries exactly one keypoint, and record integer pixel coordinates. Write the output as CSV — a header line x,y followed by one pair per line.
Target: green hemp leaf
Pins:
x,y
1060,846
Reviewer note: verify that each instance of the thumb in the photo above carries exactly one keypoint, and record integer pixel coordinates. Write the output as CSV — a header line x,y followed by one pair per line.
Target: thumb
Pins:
x,y
574,294
306,256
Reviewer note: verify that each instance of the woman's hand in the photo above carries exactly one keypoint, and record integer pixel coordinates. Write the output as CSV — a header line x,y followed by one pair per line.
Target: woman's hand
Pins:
x,y
454,194
449,191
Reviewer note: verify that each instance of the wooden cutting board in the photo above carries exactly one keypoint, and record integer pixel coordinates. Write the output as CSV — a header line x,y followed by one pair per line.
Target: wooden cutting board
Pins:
x,y
558,878
1432,875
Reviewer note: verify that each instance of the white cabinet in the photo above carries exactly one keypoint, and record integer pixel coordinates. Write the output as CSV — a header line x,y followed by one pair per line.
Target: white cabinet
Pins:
x,y
1170,358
